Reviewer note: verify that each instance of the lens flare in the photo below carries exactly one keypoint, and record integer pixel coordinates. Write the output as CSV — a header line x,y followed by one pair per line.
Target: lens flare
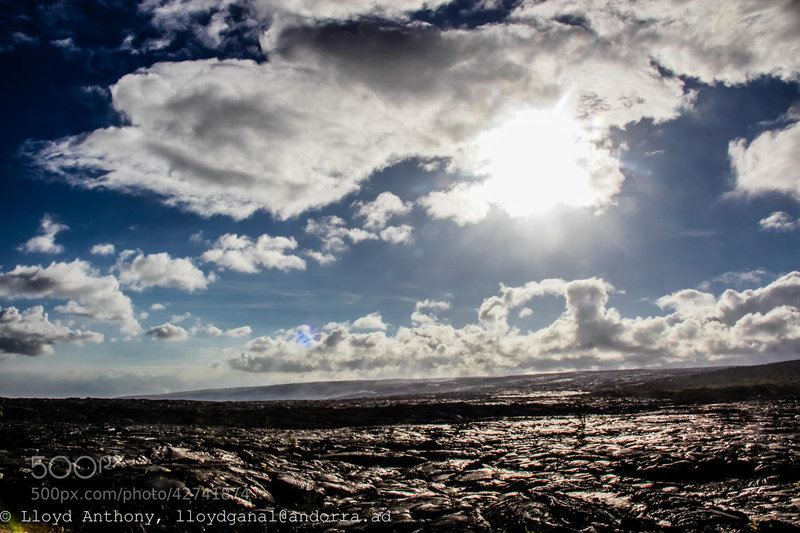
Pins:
x,y
307,335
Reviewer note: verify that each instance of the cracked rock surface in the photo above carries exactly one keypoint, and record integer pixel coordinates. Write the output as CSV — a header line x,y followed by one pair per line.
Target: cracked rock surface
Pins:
x,y
499,465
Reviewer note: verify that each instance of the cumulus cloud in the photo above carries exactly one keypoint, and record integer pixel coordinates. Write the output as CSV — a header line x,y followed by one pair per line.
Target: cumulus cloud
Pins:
x,y
242,254
525,312
461,203
31,333
689,302
784,291
139,272
377,213
397,234
44,242
102,249
345,94
779,221
168,332
242,331
370,321
433,305
333,9
321,258
750,277
157,307
311,125
213,331
767,164
208,21
426,311
701,328
730,42
87,292
177,319
215,23
335,235
495,309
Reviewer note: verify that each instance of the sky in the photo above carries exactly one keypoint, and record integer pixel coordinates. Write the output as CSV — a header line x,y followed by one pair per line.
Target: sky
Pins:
x,y
218,193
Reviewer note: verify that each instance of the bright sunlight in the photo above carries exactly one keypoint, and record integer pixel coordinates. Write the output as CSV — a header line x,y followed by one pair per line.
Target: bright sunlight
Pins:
x,y
539,159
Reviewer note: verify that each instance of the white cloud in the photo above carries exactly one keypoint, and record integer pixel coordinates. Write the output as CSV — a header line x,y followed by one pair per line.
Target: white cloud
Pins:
x,y
397,234
433,305
783,291
157,307
779,322
779,221
44,242
312,124
737,279
426,311
737,327
174,16
213,331
319,257
494,310
336,9
242,331
418,318
768,163
730,42
370,321
211,23
461,203
168,332
335,236
689,302
242,254
102,249
525,312
177,319
378,212
139,272
87,292
31,333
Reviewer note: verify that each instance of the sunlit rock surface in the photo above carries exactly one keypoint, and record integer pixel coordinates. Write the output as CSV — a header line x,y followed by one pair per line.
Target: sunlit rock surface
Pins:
x,y
709,450
501,465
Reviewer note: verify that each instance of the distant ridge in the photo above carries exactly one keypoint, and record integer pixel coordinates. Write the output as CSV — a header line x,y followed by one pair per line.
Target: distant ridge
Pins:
x,y
780,375
584,381
767,380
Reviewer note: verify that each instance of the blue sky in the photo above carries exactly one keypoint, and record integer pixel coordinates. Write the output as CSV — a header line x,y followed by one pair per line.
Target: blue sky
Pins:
x,y
207,193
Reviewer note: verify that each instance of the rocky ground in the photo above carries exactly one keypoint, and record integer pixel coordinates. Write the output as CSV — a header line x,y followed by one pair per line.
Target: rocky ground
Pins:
x,y
490,464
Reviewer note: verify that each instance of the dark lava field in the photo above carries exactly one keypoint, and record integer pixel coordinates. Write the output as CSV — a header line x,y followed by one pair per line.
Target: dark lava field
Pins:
x,y
690,456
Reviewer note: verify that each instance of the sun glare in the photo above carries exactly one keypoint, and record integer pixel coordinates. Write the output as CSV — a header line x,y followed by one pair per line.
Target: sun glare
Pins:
x,y
537,160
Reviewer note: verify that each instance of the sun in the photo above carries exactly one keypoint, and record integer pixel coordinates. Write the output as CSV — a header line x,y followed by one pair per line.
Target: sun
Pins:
x,y
536,160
